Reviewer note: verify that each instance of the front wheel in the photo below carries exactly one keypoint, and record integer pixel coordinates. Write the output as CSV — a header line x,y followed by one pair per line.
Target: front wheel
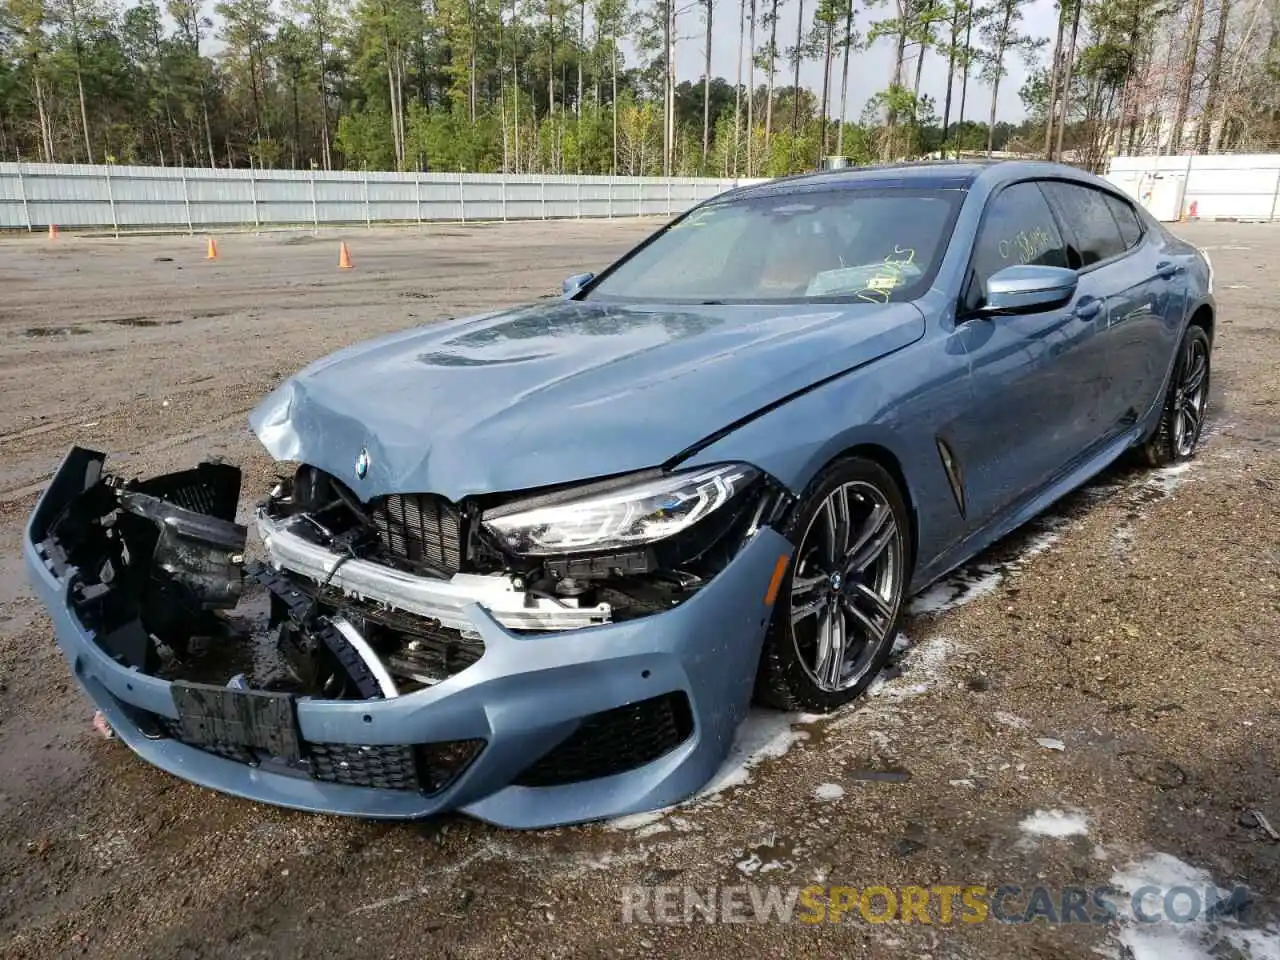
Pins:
x,y
1182,419
835,617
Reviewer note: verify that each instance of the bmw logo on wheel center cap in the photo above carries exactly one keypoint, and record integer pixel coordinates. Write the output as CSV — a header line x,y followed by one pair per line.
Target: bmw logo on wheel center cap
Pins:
x,y
362,464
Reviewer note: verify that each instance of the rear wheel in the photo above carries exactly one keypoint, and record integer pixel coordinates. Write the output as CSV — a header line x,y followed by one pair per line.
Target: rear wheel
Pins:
x,y
1182,420
835,616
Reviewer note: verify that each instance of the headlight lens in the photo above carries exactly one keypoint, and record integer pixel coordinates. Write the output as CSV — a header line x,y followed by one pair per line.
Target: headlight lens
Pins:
x,y
625,517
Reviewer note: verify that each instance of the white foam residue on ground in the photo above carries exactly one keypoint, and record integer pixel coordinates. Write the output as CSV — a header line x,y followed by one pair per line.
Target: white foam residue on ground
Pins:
x,y
763,735
956,590
1042,541
923,664
828,791
979,579
638,821
1198,938
753,865
1055,823
1168,479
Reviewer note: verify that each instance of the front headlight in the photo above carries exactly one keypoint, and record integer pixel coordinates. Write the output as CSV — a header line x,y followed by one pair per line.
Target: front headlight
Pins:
x,y
624,517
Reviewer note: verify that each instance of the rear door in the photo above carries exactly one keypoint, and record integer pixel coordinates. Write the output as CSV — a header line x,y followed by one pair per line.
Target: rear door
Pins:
x,y
1034,375
1120,265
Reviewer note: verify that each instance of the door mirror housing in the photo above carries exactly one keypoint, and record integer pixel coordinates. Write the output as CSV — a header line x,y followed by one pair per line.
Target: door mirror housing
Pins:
x,y
575,283
1027,287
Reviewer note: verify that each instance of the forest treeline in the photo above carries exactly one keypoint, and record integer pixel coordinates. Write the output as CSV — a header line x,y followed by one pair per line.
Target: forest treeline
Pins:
x,y
547,85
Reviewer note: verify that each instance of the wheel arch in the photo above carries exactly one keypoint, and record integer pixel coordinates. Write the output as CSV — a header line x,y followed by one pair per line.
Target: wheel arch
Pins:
x,y
886,458
1203,317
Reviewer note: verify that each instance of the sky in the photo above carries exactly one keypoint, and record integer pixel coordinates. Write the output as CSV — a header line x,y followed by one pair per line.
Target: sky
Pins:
x,y
868,70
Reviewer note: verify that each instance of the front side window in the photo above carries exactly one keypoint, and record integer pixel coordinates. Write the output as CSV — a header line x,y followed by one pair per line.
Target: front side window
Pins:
x,y
1017,228
851,244
1088,216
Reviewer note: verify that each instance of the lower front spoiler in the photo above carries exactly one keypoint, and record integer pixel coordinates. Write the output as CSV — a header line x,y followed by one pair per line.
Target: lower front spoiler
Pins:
x,y
526,696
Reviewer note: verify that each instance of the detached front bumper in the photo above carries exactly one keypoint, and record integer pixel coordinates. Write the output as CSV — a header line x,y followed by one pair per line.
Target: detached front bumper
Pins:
x,y
540,703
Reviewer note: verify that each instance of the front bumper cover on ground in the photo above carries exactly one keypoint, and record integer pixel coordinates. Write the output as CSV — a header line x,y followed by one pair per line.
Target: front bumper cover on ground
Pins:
x,y
526,697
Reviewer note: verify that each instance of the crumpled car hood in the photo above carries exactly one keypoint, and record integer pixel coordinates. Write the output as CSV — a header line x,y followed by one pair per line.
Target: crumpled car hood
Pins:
x,y
559,392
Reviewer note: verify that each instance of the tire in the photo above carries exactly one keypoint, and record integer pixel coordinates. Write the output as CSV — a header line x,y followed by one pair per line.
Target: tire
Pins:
x,y
1182,418
797,670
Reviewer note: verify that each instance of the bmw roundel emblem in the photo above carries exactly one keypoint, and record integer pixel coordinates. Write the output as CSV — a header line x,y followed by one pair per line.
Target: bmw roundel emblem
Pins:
x,y
362,464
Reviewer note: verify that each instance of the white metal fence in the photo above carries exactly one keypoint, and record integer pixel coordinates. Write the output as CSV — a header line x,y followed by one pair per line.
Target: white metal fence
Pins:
x,y
34,196
1212,187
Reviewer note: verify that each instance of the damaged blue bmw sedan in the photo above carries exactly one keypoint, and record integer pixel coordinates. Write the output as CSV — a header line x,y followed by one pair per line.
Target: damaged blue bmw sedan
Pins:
x,y
535,565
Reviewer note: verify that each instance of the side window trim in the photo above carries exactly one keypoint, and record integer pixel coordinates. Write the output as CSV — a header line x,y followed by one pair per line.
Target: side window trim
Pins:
x,y
1127,205
1105,193
1070,242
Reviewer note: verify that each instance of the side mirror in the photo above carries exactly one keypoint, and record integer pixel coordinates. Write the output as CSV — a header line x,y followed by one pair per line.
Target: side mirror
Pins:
x,y
1025,288
576,283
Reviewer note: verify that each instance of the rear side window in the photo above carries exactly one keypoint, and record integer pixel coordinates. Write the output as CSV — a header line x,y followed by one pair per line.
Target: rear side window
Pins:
x,y
1087,215
1018,227
1126,220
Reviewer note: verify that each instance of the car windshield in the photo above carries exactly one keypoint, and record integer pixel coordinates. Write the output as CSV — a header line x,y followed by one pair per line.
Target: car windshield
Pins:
x,y
851,244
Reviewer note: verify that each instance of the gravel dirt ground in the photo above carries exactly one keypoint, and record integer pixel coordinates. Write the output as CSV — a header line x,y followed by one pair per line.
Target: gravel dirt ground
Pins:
x,y
1115,663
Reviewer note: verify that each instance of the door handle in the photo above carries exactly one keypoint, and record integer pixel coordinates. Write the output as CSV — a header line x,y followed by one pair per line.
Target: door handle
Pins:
x,y
1167,269
1088,309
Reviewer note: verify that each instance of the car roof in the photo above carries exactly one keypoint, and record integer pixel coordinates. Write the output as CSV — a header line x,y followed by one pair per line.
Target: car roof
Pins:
x,y
936,174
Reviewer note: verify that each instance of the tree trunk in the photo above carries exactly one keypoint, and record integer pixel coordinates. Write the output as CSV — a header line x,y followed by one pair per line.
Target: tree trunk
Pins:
x,y
706,91
613,46
1215,78
737,90
326,159
669,68
773,70
84,114
795,76
1055,68
46,135
515,108
751,87
472,66
995,84
964,83
582,48
951,71
551,61
397,143
895,83
826,91
502,96
1069,62
915,89
208,130
844,74
991,119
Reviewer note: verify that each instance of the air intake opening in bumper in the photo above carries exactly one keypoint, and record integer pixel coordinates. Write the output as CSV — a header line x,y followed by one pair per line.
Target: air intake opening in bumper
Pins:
x,y
615,741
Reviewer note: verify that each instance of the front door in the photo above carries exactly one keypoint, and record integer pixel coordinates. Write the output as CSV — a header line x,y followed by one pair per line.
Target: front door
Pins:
x,y
1035,377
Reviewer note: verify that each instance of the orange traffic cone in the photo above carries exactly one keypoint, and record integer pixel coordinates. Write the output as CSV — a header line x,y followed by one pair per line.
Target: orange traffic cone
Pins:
x,y
213,250
344,257
53,231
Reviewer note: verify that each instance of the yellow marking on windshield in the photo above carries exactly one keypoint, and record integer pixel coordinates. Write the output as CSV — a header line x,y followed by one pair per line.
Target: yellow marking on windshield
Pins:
x,y
889,277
